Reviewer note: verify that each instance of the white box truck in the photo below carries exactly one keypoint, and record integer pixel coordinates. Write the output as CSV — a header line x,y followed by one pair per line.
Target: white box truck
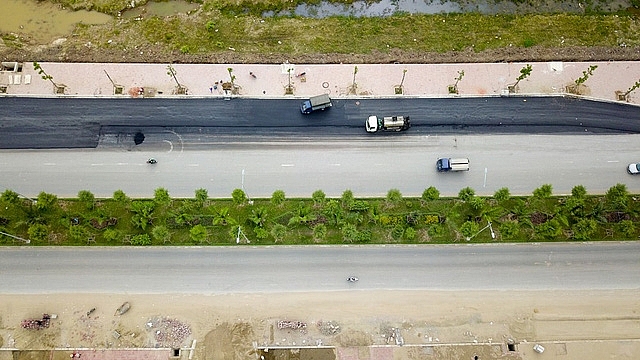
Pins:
x,y
450,164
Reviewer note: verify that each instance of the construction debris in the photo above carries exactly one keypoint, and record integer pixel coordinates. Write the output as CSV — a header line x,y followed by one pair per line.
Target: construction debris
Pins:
x,y
328,327
37,324
294,325
123,308
169,332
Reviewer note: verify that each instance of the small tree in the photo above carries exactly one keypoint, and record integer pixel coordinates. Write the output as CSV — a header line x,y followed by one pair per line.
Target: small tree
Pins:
x,y
578,86
111,235
58,88
525,72
278,197
400,88
624,96
142,213
579,192
180,90
585,75
258,217
453,89
617,197
353,89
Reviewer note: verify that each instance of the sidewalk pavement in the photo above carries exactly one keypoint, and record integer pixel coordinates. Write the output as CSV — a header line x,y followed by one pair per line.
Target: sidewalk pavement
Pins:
x,y
271,81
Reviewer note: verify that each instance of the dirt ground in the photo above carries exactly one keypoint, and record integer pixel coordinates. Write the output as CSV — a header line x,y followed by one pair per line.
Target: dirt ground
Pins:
x,y
350,325
75,50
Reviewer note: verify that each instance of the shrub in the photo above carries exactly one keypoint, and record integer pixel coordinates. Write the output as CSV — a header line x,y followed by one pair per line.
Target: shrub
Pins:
x,y
502,194
579,192
320,231
278,231
161,196
549,230
261,233
394,196
141,240
397,232
347,198
430,193
120,196
410,234
87,197
543,192
201,195
318,197
431,219
9,196
469,229
46,201
78,233
359,205
199,233
509,229
161,233
238,196
278,197
617,197
584,229
466,194
38,232
627,228
111,235
349,233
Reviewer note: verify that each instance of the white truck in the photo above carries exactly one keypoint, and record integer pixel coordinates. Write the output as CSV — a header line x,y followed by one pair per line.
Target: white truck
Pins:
x,y
320,102
387,123
449,164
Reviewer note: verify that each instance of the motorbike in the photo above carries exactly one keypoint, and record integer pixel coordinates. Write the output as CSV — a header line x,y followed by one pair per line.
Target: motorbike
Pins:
x,y
151,161
352,279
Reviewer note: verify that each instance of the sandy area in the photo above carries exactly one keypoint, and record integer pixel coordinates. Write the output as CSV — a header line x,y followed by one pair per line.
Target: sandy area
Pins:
x,y
232,326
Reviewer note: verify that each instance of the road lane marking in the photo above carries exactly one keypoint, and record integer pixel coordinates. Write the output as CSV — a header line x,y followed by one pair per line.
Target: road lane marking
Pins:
x,y
50,164
287,165
193,165
613,161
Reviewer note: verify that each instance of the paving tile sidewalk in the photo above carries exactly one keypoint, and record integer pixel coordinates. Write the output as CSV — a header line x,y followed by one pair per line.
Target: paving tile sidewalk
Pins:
x,y
270,81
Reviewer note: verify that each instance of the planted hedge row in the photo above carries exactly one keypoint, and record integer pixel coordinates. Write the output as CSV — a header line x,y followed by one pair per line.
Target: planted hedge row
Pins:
x,y
120,220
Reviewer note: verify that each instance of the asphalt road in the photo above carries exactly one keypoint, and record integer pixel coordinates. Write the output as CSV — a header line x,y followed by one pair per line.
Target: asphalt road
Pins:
x,y
564,266
80,122
369,167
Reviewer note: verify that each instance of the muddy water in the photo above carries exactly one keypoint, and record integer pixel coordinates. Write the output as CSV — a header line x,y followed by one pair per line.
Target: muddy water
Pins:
x,y
165,8
43,22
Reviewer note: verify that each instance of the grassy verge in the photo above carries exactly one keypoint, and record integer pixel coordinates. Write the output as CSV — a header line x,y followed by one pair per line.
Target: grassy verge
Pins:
x,y
214,30
317,220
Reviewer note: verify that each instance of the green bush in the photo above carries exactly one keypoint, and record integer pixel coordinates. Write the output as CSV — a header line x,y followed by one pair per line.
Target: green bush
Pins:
x,y
469,229
161,196
87,198
584,229
543,192
466,194
509,229
579,192
278,197
394,196
120,196
347,198
320,231
38,232
549,230
430,194
502,194
397,232
141,240
238,196
627,228
318,197
410,234
111,235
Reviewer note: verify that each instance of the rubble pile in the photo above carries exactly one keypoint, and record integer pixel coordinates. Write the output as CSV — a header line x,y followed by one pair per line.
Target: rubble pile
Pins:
x,y
37,324
294,325
169,332
328,327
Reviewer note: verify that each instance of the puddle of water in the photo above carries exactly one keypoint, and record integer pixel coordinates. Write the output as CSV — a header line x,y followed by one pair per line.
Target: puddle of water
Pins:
x,y
390,7
44,22
161,9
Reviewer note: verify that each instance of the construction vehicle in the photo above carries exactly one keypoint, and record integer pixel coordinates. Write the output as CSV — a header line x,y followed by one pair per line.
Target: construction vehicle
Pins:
x,y
315,103
387,123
